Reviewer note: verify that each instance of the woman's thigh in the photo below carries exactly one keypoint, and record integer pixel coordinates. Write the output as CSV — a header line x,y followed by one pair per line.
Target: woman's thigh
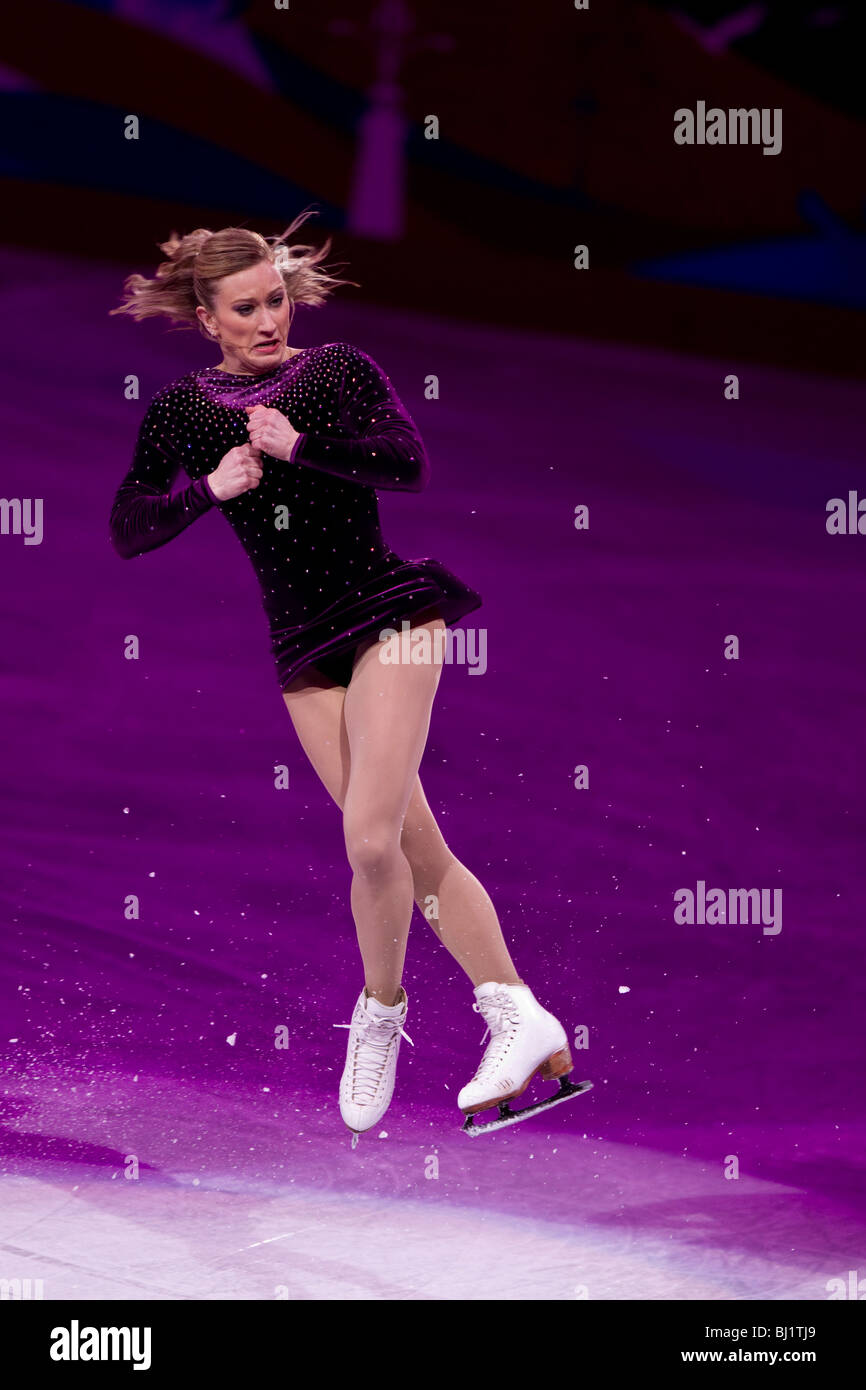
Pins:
x,y
316,708
316,711
386,712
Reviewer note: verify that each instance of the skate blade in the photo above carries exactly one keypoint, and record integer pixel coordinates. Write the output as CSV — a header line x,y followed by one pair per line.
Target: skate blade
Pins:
x,y
567,1089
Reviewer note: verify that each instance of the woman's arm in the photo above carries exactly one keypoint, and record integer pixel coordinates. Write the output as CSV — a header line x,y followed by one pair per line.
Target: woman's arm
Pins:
x,y
386,450
145,514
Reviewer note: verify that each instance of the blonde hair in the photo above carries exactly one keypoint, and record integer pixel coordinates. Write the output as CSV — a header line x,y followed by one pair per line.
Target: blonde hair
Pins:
x,y
197,261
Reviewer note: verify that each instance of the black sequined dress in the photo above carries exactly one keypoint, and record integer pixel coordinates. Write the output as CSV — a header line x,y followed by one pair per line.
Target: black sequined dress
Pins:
x,y
311,528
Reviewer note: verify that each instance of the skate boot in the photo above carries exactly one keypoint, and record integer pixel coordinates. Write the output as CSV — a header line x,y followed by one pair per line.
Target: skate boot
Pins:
x,y
367,1084
524,1039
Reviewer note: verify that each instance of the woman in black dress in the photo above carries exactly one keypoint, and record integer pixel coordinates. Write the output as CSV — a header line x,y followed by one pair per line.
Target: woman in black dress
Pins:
x,y
290,444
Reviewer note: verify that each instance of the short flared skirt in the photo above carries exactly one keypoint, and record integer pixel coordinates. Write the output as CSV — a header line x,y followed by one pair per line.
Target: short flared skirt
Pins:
x,y
394,590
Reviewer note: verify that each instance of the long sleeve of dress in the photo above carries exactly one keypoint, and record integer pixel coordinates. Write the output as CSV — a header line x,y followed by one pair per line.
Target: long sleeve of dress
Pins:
x,y
146,513
385,450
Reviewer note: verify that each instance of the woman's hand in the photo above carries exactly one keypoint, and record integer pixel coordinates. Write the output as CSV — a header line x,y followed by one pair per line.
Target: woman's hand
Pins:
x,y
271,431
238,471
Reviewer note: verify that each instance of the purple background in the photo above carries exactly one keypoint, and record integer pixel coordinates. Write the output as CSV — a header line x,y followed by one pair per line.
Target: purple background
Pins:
x,y
605,647
155,777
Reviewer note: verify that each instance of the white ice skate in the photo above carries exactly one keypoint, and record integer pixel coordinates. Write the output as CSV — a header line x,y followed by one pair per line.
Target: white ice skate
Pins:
x,y
524,1040
367,1084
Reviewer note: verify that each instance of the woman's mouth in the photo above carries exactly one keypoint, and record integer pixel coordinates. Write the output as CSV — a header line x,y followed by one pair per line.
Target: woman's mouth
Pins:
x,y
267,347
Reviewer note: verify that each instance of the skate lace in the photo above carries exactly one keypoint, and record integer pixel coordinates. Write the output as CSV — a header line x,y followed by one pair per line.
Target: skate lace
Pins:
x,y
501,1015
370,1055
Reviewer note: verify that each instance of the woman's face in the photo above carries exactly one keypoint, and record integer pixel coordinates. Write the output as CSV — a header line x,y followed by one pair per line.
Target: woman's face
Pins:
x,y
250,318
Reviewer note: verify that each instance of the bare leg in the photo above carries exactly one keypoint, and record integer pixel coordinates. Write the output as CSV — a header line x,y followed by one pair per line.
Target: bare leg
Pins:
x,y
447,894
387,712
452,900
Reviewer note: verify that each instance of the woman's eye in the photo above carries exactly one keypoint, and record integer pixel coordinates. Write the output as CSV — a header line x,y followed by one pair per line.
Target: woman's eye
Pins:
x,y
246,308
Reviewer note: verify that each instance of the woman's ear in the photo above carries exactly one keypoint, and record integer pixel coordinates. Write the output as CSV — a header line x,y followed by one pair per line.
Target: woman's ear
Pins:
x,y
203,316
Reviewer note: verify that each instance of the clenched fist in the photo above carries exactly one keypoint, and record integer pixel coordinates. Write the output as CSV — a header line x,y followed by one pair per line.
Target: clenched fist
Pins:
x,y
271,431
238,471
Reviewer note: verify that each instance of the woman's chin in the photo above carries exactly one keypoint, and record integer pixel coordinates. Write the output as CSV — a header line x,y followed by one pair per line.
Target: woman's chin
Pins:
x,y
257,358
254,360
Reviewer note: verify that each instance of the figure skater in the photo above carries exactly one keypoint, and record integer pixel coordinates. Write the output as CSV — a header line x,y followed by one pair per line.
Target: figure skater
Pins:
x,y
291,444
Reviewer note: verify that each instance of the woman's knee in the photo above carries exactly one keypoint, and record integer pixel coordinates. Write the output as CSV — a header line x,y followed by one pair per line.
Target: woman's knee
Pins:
x,y
372,845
